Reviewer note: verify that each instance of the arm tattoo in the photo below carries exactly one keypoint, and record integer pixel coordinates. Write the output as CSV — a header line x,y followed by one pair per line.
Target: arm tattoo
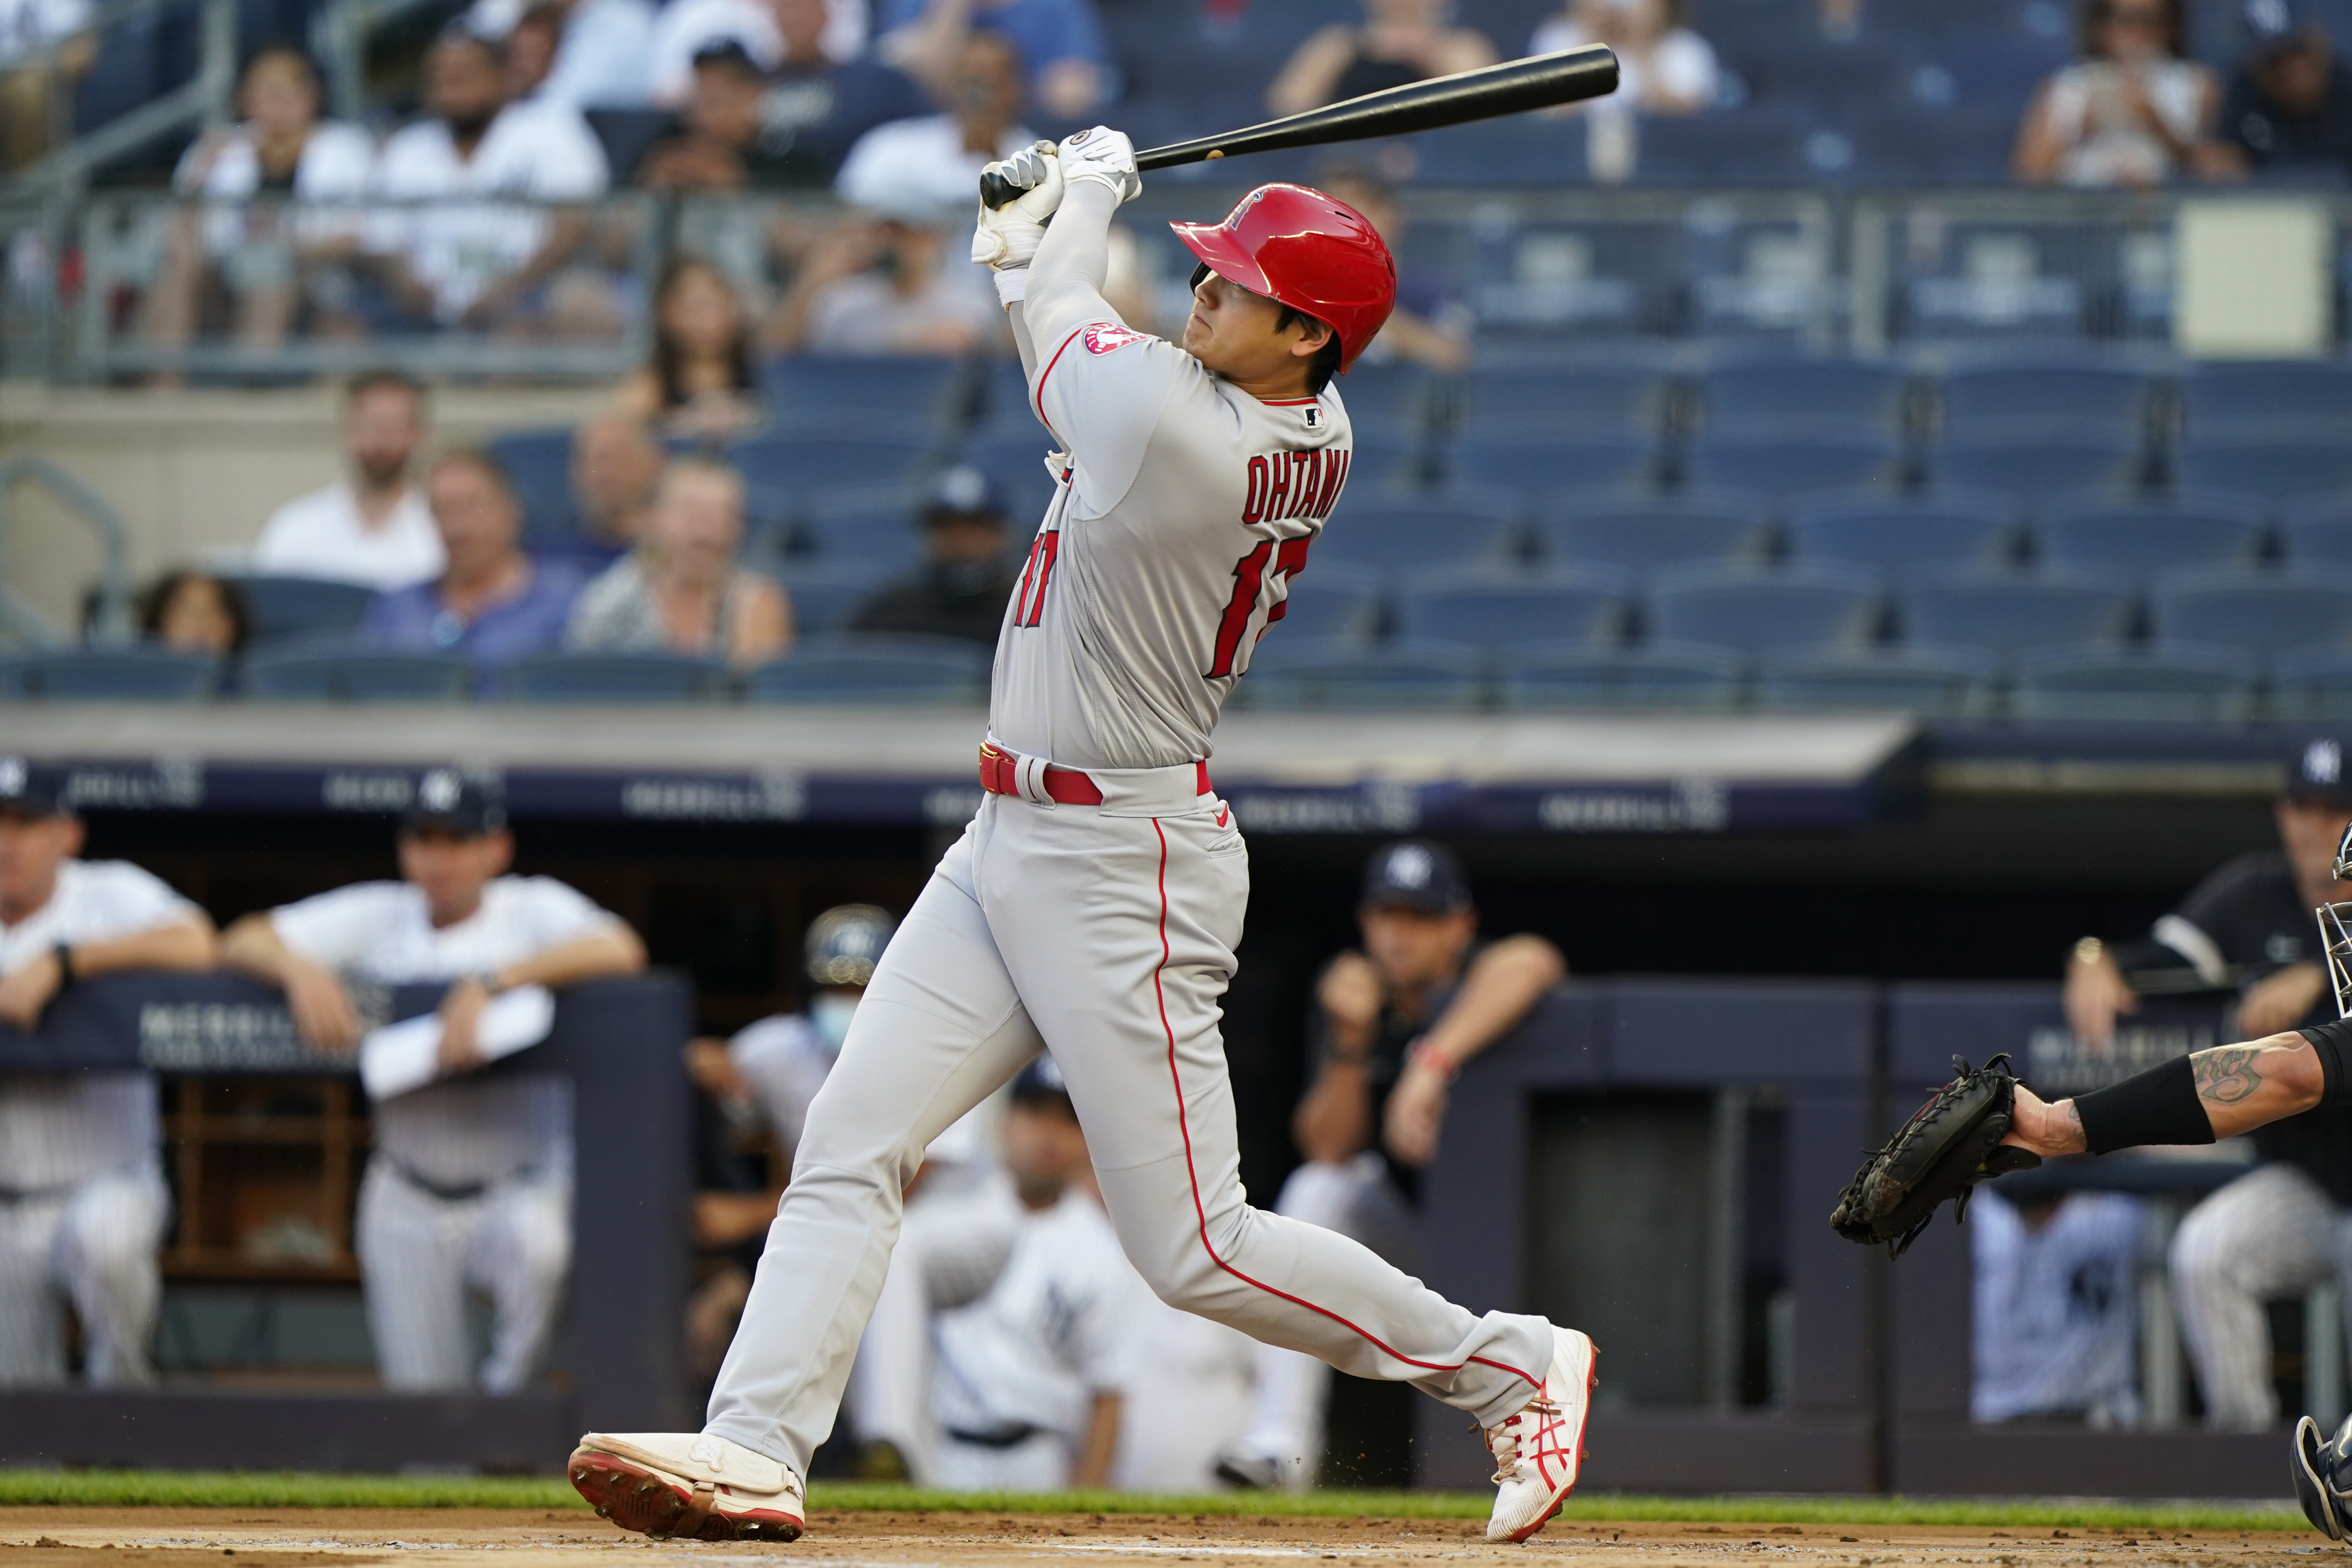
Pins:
x,y
2071,1136
2225,1075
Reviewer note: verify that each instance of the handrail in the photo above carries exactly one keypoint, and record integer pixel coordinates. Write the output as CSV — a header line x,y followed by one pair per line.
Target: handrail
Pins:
x,y
203,101
17,614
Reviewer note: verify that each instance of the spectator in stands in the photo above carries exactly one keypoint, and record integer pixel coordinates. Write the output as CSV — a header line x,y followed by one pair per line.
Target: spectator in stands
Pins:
x,y
45,47
374,527
885,286
2290,103
1390,1026
1060,40
936,159
966,578
603,52
462,260
84,1205
491,602
470,1182
686,28
2134,113
745,129
1663,67
1401,41
615,464
681,590
532,45
256,254
195,611
701,382
1427,328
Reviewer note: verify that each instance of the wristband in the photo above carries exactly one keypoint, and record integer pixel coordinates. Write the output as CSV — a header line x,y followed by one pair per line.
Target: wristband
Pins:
x,y
2328,1042
2159,1106
1011,285
63,954
1424,1055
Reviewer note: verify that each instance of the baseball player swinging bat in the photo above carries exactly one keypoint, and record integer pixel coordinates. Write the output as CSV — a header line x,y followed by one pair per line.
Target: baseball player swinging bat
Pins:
x,y
1571,76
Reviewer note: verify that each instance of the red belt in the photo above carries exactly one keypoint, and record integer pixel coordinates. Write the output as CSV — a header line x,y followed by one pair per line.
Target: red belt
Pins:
x,y
1063,786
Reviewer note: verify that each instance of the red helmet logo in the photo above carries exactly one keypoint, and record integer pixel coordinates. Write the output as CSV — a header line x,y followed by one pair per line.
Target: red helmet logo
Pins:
x,y
1307,250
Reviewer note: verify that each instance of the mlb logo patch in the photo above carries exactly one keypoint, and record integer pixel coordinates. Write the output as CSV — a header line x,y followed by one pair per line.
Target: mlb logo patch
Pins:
x,y
1104,336
1314,418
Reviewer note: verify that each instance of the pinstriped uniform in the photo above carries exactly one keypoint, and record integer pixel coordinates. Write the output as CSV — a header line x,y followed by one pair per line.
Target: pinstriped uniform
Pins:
x,y
82,1201
2273,1232
471,1182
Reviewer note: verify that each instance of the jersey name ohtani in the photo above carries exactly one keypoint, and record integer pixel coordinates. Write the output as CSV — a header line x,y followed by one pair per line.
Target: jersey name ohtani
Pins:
x,y
1296,484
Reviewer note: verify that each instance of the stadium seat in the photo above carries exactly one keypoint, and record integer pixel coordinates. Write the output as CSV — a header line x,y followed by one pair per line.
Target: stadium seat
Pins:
x,y
865,524
12,679
1386,391
2317,529
1526,459
537,463
825,592
1901,537
2166,683
2085,457
1017,470
1613,529
612,677
1347,674
874,671
1613,397
2263,612
2154,534
117,675
303,607
1387,529
1998,399
627,136
1492,609
2002,614
2314,685
1923,681
1799,609
2294,390
796,465
911,394
315,674
2271,470
1650,677
1782,462
1331,599
1841,389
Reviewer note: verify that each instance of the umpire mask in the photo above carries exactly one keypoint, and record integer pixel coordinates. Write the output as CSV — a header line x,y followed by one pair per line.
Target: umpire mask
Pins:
x,y
2335,931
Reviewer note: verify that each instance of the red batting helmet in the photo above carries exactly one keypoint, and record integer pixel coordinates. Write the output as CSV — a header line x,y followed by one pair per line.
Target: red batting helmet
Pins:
x,y
1310,252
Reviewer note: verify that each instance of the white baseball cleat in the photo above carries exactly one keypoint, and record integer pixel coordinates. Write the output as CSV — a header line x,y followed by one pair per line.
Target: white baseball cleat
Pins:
x,y
692,1484
1538,1451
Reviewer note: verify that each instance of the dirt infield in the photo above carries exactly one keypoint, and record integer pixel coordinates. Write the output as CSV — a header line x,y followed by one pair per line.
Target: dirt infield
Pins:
x,y
534,1538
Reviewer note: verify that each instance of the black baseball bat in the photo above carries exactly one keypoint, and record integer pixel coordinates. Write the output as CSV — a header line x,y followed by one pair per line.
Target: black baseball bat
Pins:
x,y
1571,76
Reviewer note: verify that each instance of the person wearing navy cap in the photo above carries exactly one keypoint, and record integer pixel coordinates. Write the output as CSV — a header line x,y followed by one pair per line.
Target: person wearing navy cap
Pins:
x,y
2290,101
961,589
1393,1025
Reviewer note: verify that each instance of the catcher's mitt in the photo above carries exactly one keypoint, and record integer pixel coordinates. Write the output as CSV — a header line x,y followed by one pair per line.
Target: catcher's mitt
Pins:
x,y
1950,1144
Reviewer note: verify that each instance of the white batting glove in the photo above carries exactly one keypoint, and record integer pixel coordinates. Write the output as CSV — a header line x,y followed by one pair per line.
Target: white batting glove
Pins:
x,y
1007,236
1104,154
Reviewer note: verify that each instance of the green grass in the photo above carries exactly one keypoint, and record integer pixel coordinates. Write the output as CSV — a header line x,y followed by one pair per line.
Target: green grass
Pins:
x,y
186,1488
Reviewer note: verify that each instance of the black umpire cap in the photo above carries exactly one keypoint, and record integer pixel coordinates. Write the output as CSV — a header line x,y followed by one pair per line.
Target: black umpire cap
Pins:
x,y
454,803
28,788
1415,873
2316,774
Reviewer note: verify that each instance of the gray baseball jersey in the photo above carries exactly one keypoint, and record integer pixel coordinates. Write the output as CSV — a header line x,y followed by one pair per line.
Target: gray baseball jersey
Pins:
x,y
1185,511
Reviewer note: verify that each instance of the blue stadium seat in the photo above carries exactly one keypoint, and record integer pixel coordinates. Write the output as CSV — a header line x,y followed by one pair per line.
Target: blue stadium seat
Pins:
x,y
825,592
12,681
627,136
1385,391
1017,470
1351,675
303,607
1782,462
1531,461
878,524
1841,389
1940,685
2002,614
1613,529
2167,683
1542,152
2000,398
1650,677
1494,609
2314,685
1799,609
117,675
796,464
2271,470
1389,529
2293,389
913,394
1901,537
2317,529
1331,599
1628,397
612,677
537,463
2155,535
2261,611
875,671
325,674
2040,464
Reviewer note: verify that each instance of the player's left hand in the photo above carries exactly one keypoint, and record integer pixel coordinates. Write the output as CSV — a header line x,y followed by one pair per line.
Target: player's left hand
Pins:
x,y
24,991
1008,236
2278,1001
461,1019
1106,155
1416,1110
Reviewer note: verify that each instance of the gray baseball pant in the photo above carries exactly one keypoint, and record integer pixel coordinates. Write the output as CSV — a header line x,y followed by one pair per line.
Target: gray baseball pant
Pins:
x,y
1107,934
94,1243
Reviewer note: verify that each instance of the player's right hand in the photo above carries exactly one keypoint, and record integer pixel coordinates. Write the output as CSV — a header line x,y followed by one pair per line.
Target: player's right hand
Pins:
x,y
2096,992
1008,236
323,1013
1106,155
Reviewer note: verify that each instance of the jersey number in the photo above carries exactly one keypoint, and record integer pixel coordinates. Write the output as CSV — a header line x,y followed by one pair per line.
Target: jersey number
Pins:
x,y
1029,605
1289,560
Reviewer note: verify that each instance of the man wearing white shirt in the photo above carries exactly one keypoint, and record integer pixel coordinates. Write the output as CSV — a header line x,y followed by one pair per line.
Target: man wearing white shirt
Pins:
x,y
374,527
604,59
451,255
935,160
471,1180
82,1201
686,28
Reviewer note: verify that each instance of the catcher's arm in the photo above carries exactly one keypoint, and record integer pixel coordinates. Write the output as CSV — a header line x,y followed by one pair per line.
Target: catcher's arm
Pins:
x,y
2235,1089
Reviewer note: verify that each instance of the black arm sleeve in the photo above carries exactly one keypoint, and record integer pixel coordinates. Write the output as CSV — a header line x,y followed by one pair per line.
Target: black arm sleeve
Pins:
x,y
2159,1106
2329,1042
